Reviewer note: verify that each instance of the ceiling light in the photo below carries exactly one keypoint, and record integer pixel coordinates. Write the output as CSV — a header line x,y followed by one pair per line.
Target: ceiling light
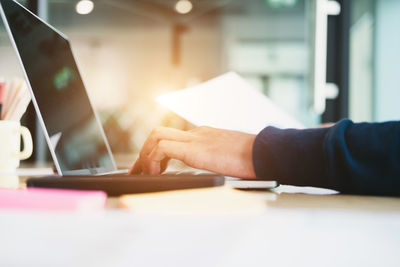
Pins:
x,y
183,6
84,7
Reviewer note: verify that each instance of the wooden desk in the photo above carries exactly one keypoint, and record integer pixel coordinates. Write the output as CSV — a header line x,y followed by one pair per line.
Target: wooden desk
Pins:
x,y
290,230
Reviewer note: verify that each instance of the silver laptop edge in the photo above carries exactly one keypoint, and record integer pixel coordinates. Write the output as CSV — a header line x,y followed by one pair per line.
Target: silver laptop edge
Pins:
x,y
42,124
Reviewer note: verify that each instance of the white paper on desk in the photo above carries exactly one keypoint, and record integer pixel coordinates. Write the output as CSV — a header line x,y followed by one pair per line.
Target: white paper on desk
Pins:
x,y
308,190
227,102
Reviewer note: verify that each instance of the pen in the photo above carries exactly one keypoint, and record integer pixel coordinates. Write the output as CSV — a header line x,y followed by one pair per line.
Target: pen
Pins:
x,y
2,92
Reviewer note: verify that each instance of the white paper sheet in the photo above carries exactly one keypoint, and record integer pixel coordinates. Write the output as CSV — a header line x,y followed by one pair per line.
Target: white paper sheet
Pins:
x,y
227,102
309,190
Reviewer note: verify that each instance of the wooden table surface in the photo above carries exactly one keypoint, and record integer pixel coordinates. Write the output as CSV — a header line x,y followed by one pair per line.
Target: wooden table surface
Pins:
x,y
211,227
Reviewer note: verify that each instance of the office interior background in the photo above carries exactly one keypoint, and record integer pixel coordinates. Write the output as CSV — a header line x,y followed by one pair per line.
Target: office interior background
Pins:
x,y
131,51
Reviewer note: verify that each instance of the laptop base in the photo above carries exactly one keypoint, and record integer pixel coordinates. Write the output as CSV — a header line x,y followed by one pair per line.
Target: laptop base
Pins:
x,y
116,185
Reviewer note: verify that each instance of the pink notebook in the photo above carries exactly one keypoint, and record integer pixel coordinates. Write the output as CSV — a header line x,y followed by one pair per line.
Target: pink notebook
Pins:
x,y
51,199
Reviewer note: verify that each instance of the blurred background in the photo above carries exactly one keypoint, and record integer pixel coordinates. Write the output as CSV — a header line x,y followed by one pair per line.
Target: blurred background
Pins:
x,y
319,60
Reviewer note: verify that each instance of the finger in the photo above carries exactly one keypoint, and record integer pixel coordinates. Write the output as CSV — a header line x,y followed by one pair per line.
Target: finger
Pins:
x,y
164,164
157,135
164,150
163,133
136,168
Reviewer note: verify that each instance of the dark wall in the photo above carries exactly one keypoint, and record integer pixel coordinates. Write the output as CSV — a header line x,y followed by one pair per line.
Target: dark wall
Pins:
x,y
338,62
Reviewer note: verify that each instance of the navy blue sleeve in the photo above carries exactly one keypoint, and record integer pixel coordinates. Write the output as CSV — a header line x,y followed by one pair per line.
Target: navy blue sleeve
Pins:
x,y
353,158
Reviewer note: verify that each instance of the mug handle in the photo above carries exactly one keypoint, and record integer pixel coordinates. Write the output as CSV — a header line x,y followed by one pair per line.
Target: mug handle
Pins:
x,y
28,145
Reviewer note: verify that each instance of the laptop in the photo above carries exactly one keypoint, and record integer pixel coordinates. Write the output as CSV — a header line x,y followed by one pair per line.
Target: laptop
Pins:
x,y
73,132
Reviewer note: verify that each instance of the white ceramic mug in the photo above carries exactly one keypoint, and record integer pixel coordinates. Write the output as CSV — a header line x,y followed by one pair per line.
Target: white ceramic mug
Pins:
x,y
10,145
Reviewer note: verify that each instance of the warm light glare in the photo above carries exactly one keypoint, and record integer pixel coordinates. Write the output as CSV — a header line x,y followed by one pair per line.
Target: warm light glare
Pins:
x,y
84,7
183,6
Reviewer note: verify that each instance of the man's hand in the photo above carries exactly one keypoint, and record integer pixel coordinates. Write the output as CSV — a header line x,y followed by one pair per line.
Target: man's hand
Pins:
x,y
221,151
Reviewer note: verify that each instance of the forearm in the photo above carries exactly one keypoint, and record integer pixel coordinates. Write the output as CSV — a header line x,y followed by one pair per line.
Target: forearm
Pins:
x,y
352,158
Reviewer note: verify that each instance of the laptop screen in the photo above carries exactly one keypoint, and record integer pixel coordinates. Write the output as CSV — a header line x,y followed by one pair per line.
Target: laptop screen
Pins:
x,y
74,134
